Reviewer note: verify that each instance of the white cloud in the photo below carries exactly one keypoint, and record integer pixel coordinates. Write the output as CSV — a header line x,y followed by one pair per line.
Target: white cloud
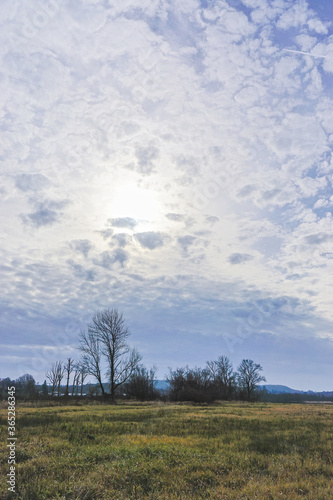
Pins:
x,y
317,26
305,42
294,16
200,107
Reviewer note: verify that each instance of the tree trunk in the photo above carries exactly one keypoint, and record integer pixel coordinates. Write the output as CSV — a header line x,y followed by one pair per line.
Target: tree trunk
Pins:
x,y
68,375
102,388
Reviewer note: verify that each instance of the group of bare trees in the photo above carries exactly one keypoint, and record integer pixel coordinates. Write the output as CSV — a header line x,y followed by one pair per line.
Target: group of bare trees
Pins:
x,y
63,370
216,381
141,384
105,351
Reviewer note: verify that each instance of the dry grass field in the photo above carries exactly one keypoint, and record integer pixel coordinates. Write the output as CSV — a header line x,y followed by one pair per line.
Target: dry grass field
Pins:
x,y
168,451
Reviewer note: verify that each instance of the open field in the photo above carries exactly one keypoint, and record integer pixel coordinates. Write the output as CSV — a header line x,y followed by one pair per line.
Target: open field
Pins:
x,y
165,451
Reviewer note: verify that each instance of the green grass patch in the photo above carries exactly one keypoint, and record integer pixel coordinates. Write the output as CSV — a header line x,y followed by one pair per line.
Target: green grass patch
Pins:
x,y
165,451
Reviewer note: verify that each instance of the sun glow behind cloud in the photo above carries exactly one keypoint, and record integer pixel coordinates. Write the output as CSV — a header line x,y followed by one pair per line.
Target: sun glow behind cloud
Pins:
x,y
135,202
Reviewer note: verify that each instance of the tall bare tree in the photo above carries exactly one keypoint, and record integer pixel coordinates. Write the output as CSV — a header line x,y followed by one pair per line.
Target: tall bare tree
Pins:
x,y
110,331
92,355
69,368
248,376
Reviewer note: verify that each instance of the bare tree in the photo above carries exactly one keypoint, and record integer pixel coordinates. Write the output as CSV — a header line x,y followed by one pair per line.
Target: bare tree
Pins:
x,y
222,374
75,382
91,349
69,368
60,370
248,376
52,376
82,374
141,384
190,384
109,329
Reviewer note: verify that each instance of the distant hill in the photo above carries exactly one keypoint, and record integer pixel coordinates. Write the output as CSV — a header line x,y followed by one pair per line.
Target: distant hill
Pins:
x,y
283,389
280,389
161,385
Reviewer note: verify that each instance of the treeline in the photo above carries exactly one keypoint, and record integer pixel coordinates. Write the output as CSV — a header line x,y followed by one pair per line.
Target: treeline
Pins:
x,y
184,384
292,397
104,348
104,343
106,354
25,387
217,381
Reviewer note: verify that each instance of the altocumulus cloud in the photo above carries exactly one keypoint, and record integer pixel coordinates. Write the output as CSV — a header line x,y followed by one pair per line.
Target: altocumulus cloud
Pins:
x,y
151,239
82,246
239,258
108,259
47,213
33,182
127,222
186,241
121,239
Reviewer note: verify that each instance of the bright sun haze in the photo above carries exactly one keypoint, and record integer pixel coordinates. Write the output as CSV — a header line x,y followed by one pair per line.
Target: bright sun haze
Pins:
x,y
133,201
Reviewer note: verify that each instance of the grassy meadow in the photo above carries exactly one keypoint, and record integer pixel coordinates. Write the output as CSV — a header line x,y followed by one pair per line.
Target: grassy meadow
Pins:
x,y
168,451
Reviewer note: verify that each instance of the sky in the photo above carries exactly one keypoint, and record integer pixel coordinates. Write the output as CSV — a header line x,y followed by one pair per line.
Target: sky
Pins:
x,y
172,160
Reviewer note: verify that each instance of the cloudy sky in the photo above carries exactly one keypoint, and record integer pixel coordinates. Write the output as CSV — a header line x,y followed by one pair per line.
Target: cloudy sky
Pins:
x,y
171,159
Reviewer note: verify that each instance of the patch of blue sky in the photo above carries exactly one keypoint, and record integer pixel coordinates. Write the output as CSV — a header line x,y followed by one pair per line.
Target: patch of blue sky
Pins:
x,y
239,5
323,8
